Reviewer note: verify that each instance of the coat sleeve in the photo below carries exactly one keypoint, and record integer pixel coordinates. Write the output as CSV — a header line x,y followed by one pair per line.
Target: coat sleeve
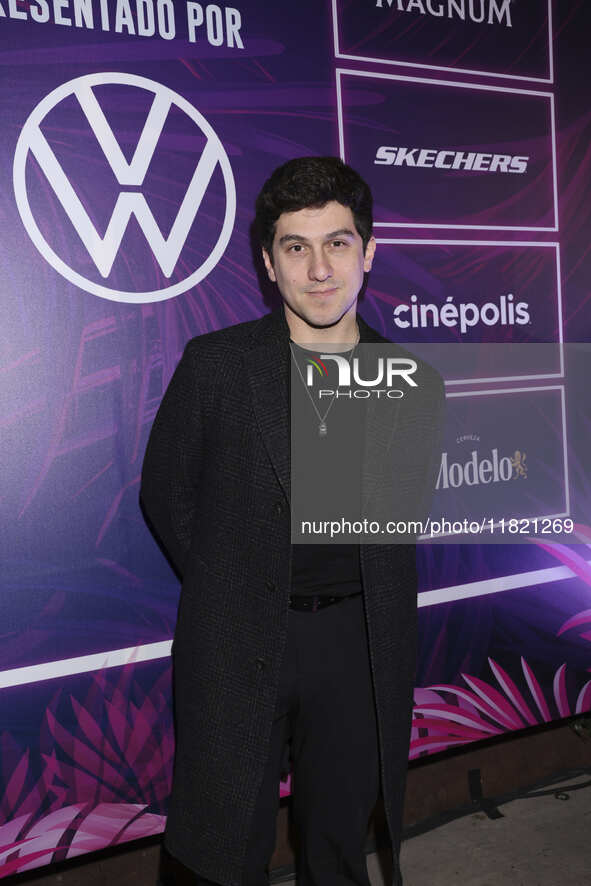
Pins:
x,y
172,463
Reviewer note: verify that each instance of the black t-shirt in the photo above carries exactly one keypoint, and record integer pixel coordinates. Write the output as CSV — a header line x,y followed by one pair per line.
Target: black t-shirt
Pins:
x,y
327,568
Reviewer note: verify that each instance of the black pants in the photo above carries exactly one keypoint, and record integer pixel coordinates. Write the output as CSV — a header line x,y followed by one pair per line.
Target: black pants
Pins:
x,y
325,707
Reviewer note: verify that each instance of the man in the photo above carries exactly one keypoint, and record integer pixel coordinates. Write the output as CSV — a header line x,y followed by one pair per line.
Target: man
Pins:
x,y
258,659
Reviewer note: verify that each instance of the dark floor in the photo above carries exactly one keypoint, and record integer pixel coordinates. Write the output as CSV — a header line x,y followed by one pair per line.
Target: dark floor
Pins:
x,y
543,839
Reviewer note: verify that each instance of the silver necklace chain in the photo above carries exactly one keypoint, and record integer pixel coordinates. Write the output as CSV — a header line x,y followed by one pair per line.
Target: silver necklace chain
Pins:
x,y
322,426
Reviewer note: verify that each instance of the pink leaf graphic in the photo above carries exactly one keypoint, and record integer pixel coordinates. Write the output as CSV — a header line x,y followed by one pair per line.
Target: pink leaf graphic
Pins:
x,y
449,712
560,695
445,723
10,848
118,722
10,831
512,692
15,785
35,798
144,826
93,731
426,696
148,710
571,559
116,749
474,700
90,784
47,834
534,688
436,726
138,737
581,618
495,700
101,826
52,765
584,699
23,863
84,756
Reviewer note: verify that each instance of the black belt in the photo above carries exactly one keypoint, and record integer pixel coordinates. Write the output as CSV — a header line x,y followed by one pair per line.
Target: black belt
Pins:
x,y
304,603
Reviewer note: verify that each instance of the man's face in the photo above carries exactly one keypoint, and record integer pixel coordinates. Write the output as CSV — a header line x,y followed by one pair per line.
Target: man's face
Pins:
x,y
318,262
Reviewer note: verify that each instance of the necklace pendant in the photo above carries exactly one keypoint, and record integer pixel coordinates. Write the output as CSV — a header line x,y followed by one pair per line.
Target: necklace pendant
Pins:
x,y
322,429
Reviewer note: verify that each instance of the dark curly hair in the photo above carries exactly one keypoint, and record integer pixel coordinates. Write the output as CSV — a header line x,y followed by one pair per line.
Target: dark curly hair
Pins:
x,y
312,181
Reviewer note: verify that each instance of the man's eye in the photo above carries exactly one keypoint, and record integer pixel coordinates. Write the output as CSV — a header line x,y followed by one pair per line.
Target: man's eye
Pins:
x,y
297,247
339,243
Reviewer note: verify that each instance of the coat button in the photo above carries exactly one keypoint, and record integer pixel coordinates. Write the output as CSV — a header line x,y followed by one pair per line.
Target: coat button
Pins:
x,y
270,585
278,508
260,663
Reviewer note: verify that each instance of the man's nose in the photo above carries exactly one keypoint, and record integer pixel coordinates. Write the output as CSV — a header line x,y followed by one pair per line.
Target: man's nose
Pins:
x,y
319,268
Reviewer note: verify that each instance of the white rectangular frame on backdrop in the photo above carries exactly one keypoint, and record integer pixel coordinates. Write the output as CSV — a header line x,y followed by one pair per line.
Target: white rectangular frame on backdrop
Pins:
x,y
422,65
395,241
341,72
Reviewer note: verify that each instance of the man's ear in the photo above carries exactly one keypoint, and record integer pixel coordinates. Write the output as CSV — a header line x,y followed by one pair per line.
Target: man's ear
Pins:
x,y
370,250
269,265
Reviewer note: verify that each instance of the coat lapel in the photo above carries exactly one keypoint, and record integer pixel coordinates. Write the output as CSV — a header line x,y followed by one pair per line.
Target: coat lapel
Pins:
x,y
267,368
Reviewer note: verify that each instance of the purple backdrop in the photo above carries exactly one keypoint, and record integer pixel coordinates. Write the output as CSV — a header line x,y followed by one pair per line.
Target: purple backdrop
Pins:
x,y
131,153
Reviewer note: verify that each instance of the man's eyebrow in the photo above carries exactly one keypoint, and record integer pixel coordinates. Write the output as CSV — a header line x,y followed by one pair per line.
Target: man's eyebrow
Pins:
x,y
297,238
342,232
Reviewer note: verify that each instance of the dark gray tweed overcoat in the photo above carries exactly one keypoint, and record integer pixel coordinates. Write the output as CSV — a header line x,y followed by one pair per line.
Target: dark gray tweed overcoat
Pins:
x,y
215,487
